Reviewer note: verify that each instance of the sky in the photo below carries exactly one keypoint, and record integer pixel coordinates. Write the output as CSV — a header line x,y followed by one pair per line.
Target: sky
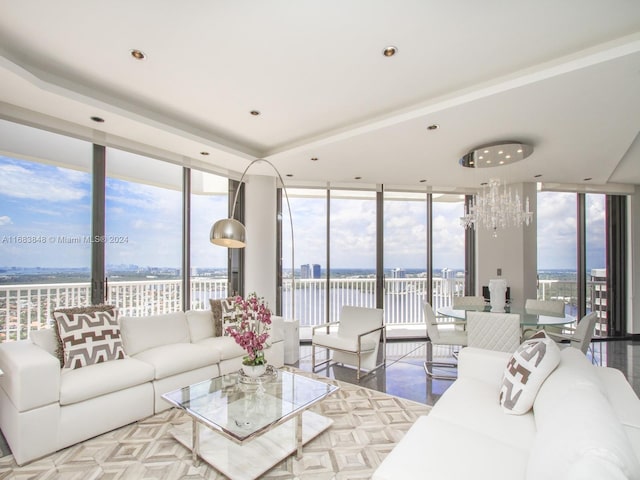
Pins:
x,y
44,207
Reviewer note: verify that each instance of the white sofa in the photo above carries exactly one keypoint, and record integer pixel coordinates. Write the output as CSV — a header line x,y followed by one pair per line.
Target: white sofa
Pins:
x,y
44,408
585,424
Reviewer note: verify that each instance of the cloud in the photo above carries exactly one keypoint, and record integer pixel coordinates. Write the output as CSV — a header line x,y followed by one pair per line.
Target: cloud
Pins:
x,y
5,220
41,182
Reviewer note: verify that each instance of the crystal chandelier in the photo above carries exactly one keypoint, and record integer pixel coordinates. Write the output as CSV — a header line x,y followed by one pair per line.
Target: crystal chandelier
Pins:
x,y
496,207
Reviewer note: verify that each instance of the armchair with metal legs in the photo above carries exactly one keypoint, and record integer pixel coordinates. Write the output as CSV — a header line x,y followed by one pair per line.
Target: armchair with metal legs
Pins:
x,y
440,334
356,340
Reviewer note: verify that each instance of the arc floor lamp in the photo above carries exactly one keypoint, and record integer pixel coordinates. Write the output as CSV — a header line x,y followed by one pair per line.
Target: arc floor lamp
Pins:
x,y
231,233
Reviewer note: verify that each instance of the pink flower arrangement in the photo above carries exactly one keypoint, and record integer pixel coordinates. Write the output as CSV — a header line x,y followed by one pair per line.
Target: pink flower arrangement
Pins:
x,y
251,331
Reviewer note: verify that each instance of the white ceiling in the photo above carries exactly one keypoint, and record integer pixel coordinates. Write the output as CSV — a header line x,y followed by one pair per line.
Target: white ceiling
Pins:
x,y
564,76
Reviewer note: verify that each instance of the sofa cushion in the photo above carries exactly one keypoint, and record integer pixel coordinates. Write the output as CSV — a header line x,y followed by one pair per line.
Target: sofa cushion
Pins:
x,y
168,360
102,378
483,414
144,333
525,372
225,346
89,336
573,370
582,428
200,325
434,448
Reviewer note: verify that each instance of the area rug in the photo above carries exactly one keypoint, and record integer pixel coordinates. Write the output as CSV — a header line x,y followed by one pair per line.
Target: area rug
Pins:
x,y
367,425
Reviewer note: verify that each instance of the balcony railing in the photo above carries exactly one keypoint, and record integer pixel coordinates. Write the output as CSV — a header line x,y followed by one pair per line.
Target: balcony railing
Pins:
x,y
27,307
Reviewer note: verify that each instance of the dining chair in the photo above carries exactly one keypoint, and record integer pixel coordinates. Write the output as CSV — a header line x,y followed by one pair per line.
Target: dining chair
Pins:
x,y
460,303
582,334
354,339
494,331
440,333
544,307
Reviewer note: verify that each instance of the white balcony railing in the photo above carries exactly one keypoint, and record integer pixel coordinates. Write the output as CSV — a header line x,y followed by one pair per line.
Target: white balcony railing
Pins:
x,y
27,307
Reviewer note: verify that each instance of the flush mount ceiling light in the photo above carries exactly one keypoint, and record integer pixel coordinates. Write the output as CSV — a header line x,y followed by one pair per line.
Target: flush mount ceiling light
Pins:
x,y
137,54
390,51
496,154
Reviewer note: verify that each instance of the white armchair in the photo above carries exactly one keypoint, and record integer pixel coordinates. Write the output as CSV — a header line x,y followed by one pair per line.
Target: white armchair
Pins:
x,y
354,342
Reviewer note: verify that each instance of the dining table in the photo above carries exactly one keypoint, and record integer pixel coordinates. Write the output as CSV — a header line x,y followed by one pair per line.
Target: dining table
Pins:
x,y
529,318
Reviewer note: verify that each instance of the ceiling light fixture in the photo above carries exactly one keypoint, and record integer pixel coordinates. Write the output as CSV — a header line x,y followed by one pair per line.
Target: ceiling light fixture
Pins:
x,y
390,51
255,113
204,153
433,126
496,207
138,54
507,152
314,159
97,119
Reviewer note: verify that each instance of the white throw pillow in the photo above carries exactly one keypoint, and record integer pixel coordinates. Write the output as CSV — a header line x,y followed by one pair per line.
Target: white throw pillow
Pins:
x,y
527,369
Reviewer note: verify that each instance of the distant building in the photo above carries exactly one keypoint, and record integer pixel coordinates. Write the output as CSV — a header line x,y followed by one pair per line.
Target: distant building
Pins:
x,y
310,270
598,291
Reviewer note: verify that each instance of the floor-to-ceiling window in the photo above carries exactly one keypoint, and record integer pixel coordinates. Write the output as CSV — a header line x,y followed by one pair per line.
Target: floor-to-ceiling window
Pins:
x,y
143,234
309,213
595,260
209,203
448,248
563,248
45,227
352,249
405,258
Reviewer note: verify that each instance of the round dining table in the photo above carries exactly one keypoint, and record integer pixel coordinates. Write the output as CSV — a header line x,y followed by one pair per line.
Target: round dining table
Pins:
x,y
528,317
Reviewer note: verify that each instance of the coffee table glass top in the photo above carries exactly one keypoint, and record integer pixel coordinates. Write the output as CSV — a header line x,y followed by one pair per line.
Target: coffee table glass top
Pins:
x,y
240,410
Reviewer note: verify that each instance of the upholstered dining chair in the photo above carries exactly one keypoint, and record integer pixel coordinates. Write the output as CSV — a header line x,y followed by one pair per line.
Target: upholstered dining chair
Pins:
x,y
582,334
440,333
552,307
544,307
354,340
494,331
468,301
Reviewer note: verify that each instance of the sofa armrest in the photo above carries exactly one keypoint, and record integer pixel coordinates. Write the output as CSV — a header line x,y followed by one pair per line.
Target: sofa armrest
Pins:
x,y
484,365
31,375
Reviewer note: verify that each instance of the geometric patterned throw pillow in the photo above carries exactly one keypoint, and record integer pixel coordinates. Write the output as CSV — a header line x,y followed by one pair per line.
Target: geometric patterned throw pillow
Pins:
x,y
224,315
526,371
88,335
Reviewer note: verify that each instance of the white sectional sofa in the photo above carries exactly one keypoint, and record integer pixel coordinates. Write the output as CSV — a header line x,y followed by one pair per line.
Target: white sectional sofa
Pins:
x,y
44,408
585,424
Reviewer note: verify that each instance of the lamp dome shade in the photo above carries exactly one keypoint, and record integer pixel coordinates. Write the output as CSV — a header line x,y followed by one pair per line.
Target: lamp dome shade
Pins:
x,y
228,233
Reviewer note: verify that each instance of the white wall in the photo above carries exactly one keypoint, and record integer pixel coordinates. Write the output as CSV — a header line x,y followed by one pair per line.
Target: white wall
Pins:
x,y
514,251
260,252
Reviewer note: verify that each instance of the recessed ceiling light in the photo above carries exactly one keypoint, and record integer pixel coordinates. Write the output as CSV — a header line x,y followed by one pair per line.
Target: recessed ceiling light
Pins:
x,y
434,126
587,179
537,176
422,181
289,175
204,153
138,54
98,119
357,178
390,51
255,113
484,183
314,159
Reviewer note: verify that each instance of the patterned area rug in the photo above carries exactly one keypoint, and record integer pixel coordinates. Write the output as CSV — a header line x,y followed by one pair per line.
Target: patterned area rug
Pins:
x,y
367,425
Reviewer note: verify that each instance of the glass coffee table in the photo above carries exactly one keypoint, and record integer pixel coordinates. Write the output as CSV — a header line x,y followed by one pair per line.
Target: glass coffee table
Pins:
x,y
252,424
